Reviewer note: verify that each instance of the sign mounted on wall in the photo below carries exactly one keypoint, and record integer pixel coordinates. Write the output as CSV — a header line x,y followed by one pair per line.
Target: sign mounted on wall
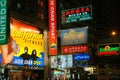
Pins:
x,y
26,46
74,36
74,49
4,23
29,43
107,50
81,56
76,14
52,27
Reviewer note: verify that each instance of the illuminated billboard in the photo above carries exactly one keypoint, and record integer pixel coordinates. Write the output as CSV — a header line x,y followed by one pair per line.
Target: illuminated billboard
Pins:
x,y
74,36
65,61
108,49
81,59
53,61
30,43
52,27
61,61
76,14
74,49
25,47
81,56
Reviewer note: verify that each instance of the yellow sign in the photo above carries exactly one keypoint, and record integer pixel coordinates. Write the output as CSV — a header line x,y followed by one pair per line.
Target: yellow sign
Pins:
x,y
27,36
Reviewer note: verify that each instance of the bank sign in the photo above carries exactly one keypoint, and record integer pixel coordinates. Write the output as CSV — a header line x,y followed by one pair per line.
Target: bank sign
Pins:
x,y
3,21
76,14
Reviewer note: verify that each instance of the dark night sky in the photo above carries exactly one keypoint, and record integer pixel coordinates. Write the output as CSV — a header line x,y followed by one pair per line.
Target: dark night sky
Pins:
x,y
108,13
107,17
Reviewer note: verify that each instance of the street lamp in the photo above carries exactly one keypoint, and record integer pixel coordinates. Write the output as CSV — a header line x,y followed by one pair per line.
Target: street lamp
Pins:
x,y
113,33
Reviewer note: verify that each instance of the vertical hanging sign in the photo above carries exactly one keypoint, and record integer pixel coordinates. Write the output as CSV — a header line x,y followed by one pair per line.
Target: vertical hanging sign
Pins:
x,y
3,21
52,27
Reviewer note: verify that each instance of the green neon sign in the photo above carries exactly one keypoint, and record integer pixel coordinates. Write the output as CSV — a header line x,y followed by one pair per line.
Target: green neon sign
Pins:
x,y
110,49
3,21
77,14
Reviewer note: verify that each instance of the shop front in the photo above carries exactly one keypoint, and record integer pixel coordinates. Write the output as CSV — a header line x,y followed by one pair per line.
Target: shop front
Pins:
x,y
58,65
26,75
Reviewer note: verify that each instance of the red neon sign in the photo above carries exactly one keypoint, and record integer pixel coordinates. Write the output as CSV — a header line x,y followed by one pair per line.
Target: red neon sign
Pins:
x,y
74,49
78,10
108,53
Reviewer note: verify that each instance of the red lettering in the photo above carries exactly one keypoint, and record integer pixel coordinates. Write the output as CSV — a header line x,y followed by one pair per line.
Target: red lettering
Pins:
x,y
77,11
87,9
67,12
72,11
82,10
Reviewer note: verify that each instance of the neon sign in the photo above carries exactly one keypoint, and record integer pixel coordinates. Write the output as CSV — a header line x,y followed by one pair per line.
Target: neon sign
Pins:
x,y
78,57
77,14
111,49
74,49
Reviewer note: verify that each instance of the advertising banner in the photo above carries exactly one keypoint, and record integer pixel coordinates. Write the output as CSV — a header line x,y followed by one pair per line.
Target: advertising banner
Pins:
x,y
65,61
74,49
30,43
74,36
52,27
4,21
25,47
76,14
61,61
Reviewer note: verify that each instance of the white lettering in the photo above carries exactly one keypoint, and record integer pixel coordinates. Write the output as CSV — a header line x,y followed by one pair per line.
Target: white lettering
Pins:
x,y
3,20
2,11
3,3
52,18
18,61
2,37
52,2
28,62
